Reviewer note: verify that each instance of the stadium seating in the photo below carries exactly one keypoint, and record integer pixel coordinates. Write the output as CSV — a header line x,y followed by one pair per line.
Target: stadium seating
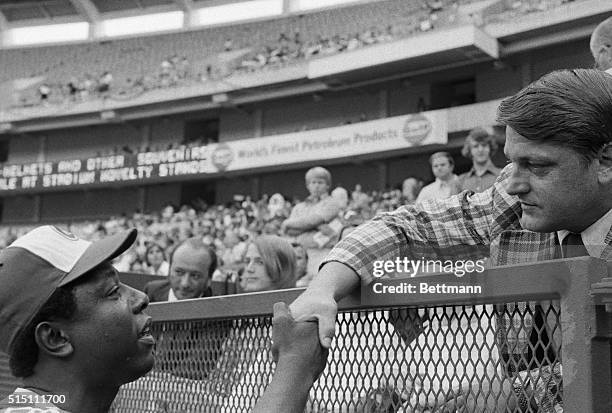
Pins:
x,y
137,62
170,226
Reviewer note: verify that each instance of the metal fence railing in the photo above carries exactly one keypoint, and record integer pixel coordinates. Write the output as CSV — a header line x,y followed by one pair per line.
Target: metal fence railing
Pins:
x,y
530,326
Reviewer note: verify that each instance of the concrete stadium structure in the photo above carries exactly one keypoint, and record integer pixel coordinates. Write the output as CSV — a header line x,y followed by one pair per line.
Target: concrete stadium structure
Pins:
x,y
455,75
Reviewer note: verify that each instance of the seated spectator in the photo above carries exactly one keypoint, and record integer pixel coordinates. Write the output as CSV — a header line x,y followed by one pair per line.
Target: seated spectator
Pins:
x,y
360,205
318,209
191,267
270,265
479,146
446,183
183,69
276,207
44,91
341,195
105,82
410,190
301,265
327,234
155,260
233,248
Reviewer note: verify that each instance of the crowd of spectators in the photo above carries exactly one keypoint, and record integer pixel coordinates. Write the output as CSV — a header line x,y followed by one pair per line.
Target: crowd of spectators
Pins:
x,y
259,245
227,228
515,8
186,67
316,222
172,71
291,48
58,85
177,70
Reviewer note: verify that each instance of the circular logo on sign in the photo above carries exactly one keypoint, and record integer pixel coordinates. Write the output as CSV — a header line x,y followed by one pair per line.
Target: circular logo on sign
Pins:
x,y
222,156
65,234
416,128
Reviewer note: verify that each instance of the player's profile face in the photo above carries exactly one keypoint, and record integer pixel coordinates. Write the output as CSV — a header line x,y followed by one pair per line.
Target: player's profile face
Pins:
x,y
556,189
109,331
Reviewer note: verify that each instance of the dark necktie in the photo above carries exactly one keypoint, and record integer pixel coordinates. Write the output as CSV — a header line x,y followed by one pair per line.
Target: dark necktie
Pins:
x,y
573,246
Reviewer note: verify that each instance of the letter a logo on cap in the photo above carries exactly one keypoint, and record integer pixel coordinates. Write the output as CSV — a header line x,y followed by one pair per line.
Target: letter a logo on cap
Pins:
x,y
68,235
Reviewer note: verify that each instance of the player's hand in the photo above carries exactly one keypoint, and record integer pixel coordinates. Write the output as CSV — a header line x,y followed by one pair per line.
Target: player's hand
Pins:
x,y
314,305
296,345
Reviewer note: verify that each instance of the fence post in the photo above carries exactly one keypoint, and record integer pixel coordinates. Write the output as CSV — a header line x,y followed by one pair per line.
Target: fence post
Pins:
x,y
587,381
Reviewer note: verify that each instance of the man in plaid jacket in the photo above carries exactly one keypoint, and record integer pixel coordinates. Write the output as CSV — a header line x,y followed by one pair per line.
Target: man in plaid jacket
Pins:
x,y
558,187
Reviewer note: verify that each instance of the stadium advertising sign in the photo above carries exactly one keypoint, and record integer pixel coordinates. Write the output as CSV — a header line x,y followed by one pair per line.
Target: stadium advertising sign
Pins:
x,y
343,141
330,143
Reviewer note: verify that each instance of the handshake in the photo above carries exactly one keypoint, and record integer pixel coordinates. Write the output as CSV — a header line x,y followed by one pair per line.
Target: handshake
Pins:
x,y
300,359
295,345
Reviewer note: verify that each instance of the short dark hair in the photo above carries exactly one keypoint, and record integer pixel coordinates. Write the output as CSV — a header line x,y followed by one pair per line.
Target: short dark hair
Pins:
x,y
446,155
571,108
198,244
24,354
479,135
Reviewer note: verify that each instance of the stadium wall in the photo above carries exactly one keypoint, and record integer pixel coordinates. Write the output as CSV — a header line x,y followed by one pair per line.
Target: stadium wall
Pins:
x,y
237,123
321,110
77,143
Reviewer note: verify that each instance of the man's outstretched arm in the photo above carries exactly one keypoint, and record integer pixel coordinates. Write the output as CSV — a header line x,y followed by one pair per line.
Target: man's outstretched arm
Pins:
x,y
300,359
459,227
333,282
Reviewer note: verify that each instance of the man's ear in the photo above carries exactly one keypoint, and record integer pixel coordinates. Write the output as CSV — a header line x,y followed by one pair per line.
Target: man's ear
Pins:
x,y
52,339
604,173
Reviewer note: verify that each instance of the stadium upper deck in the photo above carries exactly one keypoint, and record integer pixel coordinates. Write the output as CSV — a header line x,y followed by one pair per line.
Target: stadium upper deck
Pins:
x,y
125,68
141,60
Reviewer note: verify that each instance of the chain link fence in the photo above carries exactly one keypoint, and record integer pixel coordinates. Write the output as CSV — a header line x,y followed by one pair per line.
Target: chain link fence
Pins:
x,y
395,360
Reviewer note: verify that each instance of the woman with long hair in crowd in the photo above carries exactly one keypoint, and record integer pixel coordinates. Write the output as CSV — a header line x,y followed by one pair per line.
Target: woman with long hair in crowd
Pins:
x,y
155,260
245,365
270,264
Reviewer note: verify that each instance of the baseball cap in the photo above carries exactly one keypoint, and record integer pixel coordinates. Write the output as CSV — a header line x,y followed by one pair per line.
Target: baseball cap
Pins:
x,y
36,264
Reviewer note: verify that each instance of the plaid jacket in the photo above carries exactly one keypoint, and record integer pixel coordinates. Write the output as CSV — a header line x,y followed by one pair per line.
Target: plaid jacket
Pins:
x,y
465,226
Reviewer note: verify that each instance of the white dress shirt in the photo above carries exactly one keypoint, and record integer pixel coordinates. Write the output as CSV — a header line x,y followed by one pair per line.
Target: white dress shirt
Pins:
x,y
594,236
439,189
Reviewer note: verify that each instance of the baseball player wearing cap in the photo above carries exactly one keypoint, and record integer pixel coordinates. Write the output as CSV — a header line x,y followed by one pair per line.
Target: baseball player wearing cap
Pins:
x,y
74,333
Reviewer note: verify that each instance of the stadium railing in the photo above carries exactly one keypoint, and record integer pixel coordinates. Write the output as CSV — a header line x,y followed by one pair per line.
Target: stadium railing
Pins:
x,y
400,352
